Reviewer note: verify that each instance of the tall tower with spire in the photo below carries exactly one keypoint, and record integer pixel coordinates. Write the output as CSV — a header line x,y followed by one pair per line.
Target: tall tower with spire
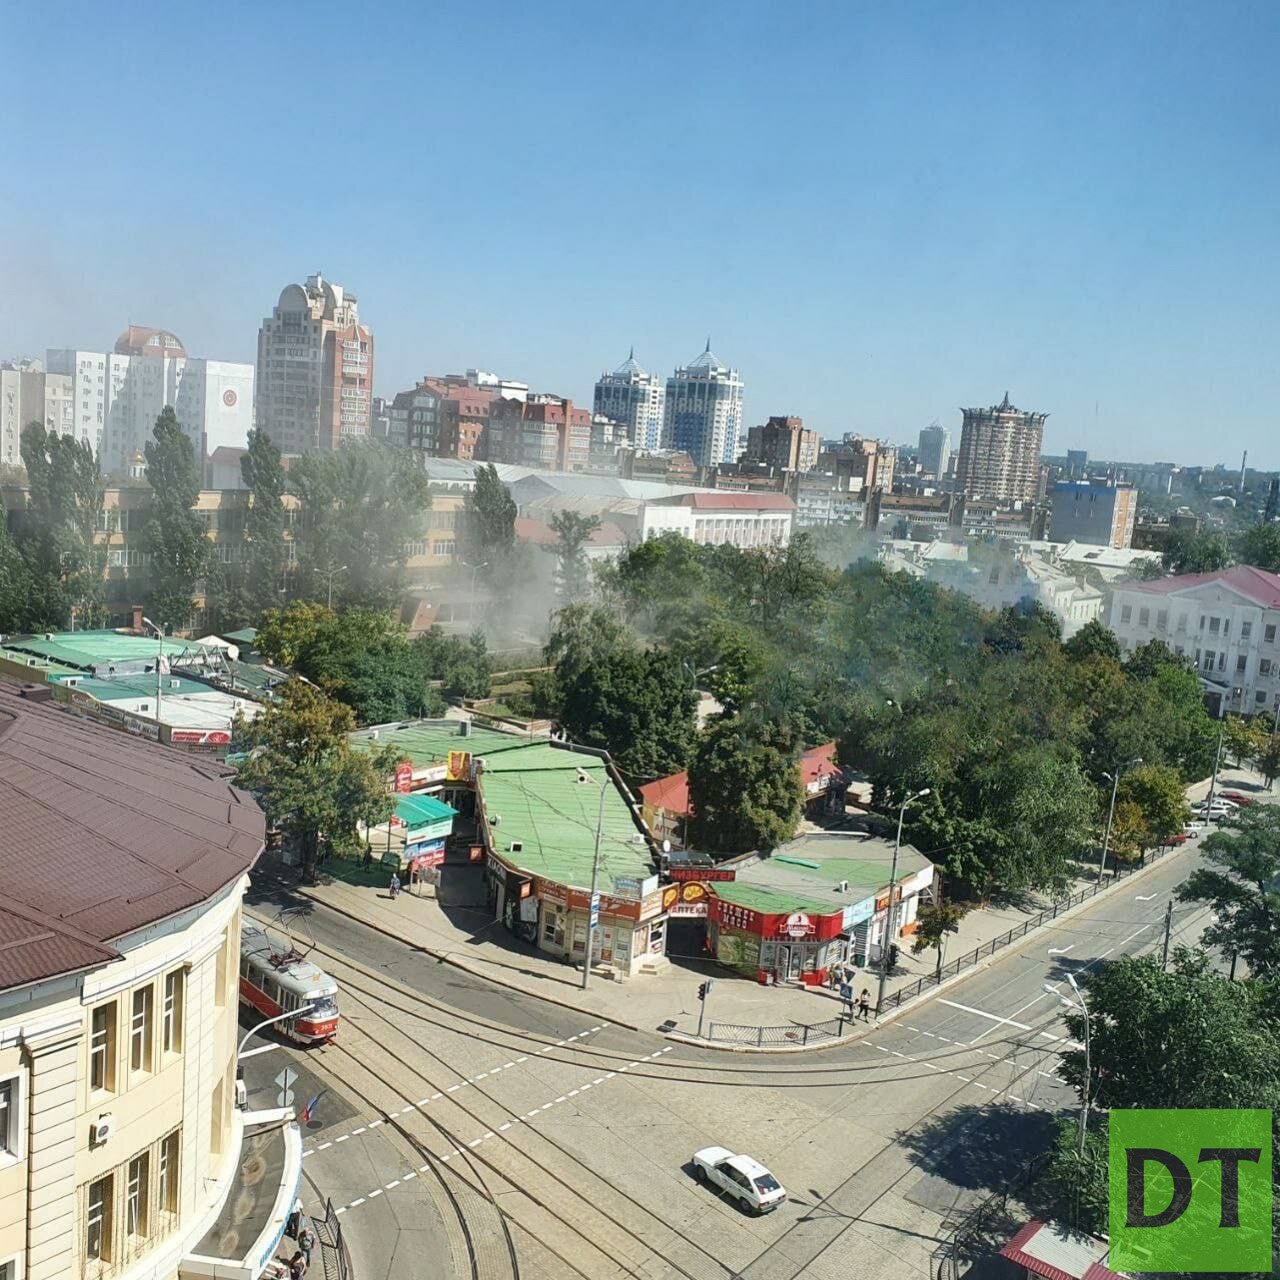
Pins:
x,y
633,397
704,411
999,454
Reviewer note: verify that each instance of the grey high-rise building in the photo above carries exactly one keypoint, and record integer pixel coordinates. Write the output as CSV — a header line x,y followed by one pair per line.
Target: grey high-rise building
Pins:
x,y
703,415
935,451
633,397
999,454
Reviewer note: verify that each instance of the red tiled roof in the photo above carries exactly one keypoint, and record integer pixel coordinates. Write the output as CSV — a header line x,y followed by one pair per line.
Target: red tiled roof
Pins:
x,y
671,794
104,834
819,762
1017,1251
1257,584
736,501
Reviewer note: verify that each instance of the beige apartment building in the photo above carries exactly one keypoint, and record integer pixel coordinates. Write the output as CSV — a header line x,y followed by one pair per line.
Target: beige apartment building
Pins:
x,y
123,1153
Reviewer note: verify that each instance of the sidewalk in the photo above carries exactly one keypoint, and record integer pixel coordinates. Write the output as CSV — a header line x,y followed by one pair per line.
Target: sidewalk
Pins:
x,y
458,928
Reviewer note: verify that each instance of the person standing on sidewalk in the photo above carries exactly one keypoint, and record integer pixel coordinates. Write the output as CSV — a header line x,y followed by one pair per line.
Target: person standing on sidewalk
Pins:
x,y
395,885
864,1005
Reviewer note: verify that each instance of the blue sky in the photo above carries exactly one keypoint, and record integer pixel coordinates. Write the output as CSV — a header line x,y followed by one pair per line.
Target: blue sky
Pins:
x,y
878,212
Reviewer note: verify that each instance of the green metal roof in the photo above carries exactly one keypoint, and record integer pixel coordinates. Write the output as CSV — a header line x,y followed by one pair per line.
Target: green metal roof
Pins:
x,y
50,670
247,636
92,648
127,688
418,811
772,902
429,742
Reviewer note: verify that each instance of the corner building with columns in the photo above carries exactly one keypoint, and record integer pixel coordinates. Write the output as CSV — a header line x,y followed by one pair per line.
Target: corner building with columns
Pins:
x,y
123,1152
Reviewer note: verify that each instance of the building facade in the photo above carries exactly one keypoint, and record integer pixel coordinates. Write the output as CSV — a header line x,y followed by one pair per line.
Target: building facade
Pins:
x,y
414,419
28,394
718,517
315,369
632,396
784,443
115,398
544,431
702,415
859,460
935,451
1087,511
1227,623
125,1149
999,454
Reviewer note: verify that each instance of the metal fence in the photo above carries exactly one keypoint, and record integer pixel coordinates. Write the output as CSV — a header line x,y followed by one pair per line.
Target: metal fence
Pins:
x,y
333,1250
967,961
797,1033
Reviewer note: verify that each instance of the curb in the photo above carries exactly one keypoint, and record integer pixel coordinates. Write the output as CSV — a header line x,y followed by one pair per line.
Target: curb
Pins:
x,y
447,957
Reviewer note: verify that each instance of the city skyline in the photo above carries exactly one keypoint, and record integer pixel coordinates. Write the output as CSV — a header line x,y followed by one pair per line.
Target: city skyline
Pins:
x,y
873,246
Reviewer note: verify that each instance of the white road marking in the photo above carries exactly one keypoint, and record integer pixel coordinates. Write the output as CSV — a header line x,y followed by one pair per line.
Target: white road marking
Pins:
x,y
982,1013
1144,897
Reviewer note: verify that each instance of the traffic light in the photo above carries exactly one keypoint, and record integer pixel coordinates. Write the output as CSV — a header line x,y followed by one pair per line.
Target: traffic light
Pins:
x,y
703,989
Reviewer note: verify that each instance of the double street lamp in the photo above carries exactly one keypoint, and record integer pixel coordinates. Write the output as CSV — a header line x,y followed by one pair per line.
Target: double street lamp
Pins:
x,y
1080,1005
1114,779
891,912
593,905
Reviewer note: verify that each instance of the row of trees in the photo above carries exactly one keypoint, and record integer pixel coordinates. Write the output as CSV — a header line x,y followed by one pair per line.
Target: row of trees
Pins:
x,y
1207,550
1185,1035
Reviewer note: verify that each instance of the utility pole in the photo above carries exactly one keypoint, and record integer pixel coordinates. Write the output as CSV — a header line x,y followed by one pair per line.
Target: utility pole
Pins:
x,y
331,574
1111,813
703,992
1217,760
1168,933
593,907
159,672
890,912
1083,1007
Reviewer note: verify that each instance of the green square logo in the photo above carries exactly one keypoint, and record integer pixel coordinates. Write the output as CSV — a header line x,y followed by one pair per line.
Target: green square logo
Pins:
x,y
1190,1190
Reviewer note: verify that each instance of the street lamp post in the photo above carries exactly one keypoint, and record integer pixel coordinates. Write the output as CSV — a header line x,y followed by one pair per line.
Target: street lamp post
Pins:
x,y
592,904
146,622
331,574
891,912
1088,1077
475,568
1111,812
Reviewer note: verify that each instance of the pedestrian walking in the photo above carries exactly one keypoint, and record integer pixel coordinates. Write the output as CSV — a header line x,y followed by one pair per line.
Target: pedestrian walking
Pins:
x,y
306,1243
395,885
297,1267
864,1005
294,1225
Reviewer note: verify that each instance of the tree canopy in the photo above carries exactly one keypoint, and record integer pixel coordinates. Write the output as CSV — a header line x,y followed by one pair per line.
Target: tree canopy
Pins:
x,y
174,534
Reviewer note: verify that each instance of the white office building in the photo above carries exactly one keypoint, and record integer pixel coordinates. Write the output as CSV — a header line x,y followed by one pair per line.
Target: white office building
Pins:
x,y
115,397
635,398
1227,623
703,411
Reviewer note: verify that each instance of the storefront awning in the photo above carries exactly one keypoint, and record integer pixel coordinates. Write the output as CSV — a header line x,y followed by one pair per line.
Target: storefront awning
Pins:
x,y
421,810
244,1236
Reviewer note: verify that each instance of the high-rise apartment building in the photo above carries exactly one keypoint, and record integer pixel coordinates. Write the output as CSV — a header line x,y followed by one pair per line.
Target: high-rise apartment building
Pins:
x,y
546,431
934,451
784,443
315,369
1000,453
703,412
115,397
414,419
29,394
633,397
857,458
1099,514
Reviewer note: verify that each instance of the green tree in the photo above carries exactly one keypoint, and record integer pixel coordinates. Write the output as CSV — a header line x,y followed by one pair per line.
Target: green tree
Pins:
x,y
263,560
1200,552
15,584
786,577
1260,545
312,783
1156,791
461,664
1243,887
1094,639
359,509
936,922
1243,739
573,571
1269,760
65,565
173,533
636,704
744,794
491,511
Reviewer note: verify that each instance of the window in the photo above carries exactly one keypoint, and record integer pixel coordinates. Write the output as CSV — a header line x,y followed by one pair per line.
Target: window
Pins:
x,y
1241,661
220,979
1269,633
1226,627
1222,661
1260,697
1246,630
1215,625
215,1120
171,1013
1144,617
140,1030
136,1222
1162,619
9,1270
102,1048
167,1182
10,1119
1264,666
1209,656
1126,613
97,1242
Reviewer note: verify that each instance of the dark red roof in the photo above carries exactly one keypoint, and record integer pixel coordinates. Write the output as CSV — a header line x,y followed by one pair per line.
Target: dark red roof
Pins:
x,y
104,834
671,793
818,763
1260,586
735,501
1085,1255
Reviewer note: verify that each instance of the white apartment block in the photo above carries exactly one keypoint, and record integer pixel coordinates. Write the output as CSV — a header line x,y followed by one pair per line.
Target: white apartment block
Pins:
x,y
703,412
29,394
116,397
717,517
635,398
1227,623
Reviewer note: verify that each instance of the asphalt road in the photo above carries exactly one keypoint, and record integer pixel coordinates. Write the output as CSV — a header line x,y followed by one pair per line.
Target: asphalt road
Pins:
x,y
467,1130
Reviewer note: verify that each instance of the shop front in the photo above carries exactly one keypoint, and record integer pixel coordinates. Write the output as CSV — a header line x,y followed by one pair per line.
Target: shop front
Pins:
x,y
782,946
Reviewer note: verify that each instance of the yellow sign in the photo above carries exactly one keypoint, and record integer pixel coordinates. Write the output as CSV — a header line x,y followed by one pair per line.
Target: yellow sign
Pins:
x,y
459,767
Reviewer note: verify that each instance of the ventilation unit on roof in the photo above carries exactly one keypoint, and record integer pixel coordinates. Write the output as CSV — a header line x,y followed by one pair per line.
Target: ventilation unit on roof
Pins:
x,y
516,846
175,684
842,887
48,635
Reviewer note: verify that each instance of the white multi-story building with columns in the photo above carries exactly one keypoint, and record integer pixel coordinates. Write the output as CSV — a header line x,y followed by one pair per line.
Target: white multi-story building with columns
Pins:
x,y
123,1153
1227,623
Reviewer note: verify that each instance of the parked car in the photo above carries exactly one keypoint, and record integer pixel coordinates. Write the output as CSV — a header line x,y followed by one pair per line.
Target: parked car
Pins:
x,y
1178,837
1238,797
1220,808
743,1179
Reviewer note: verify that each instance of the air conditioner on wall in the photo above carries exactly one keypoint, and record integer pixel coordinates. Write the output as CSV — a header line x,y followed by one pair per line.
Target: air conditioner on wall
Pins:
x,y
102,1129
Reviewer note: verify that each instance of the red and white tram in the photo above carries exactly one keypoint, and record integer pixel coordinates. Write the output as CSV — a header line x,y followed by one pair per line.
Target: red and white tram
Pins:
x,y
274,980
